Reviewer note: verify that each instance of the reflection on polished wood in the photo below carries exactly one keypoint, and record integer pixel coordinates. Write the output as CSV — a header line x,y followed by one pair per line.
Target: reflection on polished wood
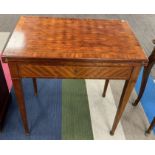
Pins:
x,y
74,48
58,38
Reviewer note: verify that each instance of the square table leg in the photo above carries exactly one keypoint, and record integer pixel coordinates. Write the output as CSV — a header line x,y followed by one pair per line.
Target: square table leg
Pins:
x,y
128,87
35,86
17,83
105,87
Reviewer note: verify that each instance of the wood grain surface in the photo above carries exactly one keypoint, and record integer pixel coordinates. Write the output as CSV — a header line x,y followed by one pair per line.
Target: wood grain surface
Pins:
x,y
74,72
76,39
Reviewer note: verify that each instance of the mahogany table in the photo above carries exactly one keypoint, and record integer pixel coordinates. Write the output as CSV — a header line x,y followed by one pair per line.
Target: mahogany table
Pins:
x,y
43,47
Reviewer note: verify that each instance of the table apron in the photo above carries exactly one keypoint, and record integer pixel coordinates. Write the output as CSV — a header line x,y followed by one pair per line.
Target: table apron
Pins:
x,y
74,72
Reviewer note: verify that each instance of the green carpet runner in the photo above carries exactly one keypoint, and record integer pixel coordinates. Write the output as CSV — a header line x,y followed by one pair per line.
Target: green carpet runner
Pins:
x,y
76,122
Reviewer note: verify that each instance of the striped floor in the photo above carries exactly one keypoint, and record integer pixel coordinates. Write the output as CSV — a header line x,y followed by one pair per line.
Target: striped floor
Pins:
x,y
75,109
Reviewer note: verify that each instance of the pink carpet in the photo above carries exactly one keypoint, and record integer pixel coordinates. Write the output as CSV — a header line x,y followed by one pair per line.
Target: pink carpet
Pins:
x,y
6,73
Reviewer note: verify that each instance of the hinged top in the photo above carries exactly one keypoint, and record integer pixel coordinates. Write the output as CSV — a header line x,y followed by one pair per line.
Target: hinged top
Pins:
x,y
74,39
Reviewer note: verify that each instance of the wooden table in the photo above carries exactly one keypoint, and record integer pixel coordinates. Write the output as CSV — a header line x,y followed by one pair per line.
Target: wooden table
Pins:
x,y
42,47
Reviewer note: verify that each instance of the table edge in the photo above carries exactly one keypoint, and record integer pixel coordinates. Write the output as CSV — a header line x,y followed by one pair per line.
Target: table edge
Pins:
x,y
7,59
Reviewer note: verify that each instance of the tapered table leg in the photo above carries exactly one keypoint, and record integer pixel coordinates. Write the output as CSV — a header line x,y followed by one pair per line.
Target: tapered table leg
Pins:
x,y
146,72
17,83
105,87
145,76
148,131
128,87
35,86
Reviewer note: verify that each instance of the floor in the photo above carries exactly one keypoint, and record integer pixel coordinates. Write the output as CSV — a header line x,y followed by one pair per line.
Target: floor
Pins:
x,y
134,120
74,109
